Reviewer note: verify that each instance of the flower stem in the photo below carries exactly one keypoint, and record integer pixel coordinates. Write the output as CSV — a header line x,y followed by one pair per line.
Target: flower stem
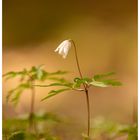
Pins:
x,y
77,61
88,111
86,90
134,109
31,115
32,122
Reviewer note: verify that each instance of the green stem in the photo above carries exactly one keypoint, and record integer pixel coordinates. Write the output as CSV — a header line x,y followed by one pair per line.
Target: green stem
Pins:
x,y
32,107
32,123
86,90
134,109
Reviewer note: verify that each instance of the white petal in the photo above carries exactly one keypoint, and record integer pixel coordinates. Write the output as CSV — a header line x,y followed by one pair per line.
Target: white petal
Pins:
x,y
66,50
63,48
61,45
56,49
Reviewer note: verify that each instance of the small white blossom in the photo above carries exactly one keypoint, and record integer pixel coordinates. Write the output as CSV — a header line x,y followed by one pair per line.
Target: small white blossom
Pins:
x,y
63,48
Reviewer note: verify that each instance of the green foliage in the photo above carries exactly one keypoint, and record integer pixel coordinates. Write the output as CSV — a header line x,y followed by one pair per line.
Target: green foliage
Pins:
x,y
85,137
55,92
101,126
101,80
131,131
111,129
46,116
45,123
19,135
15,93
35,73
102,76
80,81
25,135
27,79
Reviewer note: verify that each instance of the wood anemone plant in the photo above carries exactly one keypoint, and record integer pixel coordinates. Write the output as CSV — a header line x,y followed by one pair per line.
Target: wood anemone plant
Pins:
x,y
81,84
27,78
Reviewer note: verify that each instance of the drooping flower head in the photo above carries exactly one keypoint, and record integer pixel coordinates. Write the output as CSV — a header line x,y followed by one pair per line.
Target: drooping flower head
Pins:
x,y
64,47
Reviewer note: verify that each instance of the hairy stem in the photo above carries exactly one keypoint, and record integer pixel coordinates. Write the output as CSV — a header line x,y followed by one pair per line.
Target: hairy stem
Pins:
x,y
85,87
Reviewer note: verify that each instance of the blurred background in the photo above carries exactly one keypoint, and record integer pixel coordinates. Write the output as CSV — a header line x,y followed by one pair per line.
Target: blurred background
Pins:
x,y
105,33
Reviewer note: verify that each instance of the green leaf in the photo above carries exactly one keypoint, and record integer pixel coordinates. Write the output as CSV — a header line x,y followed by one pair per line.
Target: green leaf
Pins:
x,y
79,81
98,84
29,77
112,82
47,116
13,74
55,84
103,81
16,97
55,92
39,74
24,72
15,93
17,136
101,76
131,131
59,72
10,75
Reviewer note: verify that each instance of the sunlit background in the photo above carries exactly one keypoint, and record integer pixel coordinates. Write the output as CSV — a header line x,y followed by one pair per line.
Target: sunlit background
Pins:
x,y
105,33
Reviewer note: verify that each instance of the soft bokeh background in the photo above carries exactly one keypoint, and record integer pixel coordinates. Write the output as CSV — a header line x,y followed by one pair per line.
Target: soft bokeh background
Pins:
x,y
105,33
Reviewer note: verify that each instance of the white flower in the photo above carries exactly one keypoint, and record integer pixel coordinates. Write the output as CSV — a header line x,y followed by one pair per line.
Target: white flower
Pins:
x,y
63,48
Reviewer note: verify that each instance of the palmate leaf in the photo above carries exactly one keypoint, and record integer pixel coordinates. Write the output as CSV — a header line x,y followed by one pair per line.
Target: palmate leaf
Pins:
x,y
55,92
